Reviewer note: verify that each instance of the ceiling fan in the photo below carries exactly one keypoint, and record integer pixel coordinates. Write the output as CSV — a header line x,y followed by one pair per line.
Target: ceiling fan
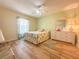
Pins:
x,y
40,8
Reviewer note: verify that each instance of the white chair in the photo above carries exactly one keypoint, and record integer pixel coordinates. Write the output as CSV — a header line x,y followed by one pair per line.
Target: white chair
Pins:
x,y
1,37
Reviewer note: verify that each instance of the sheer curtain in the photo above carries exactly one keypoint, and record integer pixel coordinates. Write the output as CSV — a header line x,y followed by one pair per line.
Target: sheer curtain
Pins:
x,y
23,26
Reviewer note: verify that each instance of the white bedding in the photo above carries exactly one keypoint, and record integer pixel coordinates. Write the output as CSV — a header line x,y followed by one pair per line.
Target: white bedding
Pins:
x,y
37,37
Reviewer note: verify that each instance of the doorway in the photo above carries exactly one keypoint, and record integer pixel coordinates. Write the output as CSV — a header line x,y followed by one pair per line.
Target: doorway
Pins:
x,y
23,27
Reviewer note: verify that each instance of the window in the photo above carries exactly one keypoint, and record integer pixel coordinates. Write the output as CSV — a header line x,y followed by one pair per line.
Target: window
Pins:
x,y
23,25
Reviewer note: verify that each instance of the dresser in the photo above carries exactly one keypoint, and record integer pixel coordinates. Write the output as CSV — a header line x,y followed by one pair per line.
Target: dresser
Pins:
x,y
63,36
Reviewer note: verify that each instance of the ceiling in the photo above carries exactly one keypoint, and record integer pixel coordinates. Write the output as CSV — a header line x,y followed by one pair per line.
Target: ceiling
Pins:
x,y
58,5
36,7
28,7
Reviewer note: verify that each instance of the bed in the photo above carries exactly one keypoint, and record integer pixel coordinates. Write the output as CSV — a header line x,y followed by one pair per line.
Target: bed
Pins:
x,y
37,37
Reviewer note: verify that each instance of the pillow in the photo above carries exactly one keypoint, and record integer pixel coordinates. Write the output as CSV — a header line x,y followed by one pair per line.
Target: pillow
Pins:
x,y
41,30
58,29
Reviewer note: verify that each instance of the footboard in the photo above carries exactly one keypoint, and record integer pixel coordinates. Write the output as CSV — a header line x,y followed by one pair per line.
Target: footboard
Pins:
x,y
37,37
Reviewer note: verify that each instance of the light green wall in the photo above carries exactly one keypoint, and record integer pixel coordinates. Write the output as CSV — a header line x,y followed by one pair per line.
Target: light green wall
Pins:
x,y
51,21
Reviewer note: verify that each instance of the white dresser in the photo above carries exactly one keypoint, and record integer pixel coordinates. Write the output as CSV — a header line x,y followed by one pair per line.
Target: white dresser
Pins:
x,y
63,36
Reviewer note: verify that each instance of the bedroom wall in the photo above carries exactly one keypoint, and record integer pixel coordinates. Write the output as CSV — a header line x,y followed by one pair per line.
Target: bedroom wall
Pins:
x,y
8,23
51,22
72,17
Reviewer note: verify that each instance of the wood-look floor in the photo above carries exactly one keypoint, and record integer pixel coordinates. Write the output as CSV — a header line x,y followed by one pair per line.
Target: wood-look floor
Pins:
x,y
47,50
